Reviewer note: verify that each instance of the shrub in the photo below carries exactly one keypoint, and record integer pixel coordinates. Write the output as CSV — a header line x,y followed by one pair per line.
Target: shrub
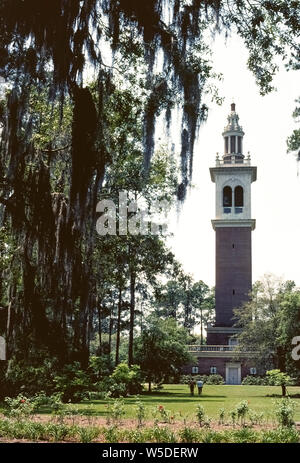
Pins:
x,y
244,435
111,434
214,379
19,408
187,435
210,437
255,417
136,436
221,415
280,436
242,409
206,379
115,410
140,412
163,414
255,381
203,420
72,382
87,433
30,378
233,414
58,431
124,380
161,435
94,395
284,412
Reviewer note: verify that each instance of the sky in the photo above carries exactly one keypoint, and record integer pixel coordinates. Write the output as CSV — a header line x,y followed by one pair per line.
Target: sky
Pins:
x,y
267,122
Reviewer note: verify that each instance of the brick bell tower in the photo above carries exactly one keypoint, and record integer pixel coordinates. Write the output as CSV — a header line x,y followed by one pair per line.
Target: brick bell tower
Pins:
x,y
233,226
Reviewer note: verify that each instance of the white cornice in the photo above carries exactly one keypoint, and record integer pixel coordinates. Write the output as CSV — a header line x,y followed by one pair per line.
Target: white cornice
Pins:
x,y
221,223
233,169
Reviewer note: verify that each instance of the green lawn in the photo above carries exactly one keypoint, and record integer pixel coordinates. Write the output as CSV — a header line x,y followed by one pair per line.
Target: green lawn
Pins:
x,y
176,399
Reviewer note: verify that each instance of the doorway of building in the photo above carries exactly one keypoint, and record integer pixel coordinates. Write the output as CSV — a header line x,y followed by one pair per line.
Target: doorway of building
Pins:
x,y
233,374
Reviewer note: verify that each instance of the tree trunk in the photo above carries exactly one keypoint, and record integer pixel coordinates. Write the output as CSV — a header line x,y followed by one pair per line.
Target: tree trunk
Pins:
x,y
99,325
149,386
283,388
131,322
110,328
118,326
201,326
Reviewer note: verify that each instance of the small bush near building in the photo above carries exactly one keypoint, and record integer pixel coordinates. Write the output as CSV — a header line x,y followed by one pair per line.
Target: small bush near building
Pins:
x,y
255,381
206,379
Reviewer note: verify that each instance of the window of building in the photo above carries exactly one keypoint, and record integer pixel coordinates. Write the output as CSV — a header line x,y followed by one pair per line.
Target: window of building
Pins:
x,y
227,196
232,341
238,196
232,144
252,371
213,370
195,370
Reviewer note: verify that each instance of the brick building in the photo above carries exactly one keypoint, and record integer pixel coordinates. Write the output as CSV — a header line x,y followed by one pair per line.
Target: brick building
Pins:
x,y
233,225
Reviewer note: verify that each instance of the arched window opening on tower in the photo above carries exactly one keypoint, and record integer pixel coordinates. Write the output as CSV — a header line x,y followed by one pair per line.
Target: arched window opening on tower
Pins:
x,y
227,199
238,199
232,144
240,145
226,145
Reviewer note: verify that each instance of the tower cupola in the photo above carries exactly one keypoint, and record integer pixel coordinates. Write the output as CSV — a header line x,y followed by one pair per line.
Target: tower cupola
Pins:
x,y
233,139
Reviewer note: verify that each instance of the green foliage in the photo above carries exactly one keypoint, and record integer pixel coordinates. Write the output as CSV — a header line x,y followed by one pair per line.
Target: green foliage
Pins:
x,y
242,409
210,437
125,380
111,434
279,378
255,417
186,301
244,435
188,435
202,419
251,380
140,412
222,416
72,382
19,408
281,436
26,428
206,379
31,377
293,141
233,415
87,433
268,323
128,377
284,412
214,379
163,414
161,435
115,410
164,341
58,431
